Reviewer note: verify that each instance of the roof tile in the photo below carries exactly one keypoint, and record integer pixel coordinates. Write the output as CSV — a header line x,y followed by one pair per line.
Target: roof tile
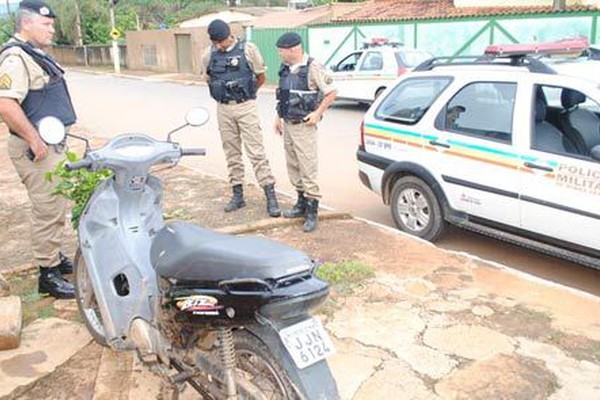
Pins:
x,y
402,10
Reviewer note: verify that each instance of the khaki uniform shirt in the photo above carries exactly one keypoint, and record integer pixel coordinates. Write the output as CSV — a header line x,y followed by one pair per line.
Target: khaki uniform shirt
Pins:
x,y
318,77
19,73
255,59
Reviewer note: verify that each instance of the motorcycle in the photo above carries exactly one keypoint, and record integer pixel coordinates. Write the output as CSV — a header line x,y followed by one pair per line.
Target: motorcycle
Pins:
x,y
228,315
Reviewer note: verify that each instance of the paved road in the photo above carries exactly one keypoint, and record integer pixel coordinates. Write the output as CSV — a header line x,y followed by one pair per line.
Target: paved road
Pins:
x,y
109,105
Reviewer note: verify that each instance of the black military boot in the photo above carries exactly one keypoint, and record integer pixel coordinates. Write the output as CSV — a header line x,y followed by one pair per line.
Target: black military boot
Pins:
x,y
298,209
51,282
237,200
311,215
66,265
272,205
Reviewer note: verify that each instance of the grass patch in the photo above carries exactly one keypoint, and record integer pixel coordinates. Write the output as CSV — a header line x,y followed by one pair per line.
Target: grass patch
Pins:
x,y
34,305
345,275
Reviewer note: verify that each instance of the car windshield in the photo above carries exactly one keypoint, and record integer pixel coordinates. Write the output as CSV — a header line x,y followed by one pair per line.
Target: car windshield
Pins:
x,y
412,58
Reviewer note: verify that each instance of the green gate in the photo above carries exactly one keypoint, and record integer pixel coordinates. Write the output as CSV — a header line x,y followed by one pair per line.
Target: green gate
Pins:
x,y
265,40
327,43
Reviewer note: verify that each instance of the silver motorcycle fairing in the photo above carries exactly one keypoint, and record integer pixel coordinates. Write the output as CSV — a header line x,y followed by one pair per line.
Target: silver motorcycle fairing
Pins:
x,y
115,236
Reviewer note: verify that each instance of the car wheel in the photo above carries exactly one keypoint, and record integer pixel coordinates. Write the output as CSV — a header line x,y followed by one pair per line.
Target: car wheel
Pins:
x,y
416,210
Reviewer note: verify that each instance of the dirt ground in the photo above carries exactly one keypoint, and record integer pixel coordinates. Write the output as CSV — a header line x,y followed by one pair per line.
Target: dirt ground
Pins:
x,y
518,307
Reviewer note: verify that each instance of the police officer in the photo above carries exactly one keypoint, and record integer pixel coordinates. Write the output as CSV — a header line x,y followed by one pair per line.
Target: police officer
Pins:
x,y
235,70
304,93
32,86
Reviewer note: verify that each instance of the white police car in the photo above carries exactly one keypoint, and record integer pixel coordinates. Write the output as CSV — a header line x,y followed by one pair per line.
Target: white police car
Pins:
x,y
364,74
502,146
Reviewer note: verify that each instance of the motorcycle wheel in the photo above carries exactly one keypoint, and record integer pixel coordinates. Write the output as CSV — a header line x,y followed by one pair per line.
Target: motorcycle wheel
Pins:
x,y
256,364
86,301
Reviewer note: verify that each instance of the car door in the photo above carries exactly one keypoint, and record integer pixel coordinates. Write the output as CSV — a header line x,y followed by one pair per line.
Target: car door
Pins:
x,y
475,142
369,76
343,72
560,198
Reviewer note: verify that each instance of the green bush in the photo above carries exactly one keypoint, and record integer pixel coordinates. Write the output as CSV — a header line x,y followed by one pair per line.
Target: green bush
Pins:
x,y
77,186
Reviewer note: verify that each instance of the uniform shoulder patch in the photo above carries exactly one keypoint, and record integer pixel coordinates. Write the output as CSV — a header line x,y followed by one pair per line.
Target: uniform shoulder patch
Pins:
x,y
5,82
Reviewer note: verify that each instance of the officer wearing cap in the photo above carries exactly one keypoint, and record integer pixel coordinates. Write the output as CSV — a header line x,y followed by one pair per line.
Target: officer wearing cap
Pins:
x,y
32,86
234,70
303,95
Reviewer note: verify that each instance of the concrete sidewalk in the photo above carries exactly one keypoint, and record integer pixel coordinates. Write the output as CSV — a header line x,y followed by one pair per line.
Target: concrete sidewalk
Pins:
x,y
431,324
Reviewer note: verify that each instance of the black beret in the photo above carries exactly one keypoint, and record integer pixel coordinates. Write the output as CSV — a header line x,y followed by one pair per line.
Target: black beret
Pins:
x,y
38,7
289,39
218,30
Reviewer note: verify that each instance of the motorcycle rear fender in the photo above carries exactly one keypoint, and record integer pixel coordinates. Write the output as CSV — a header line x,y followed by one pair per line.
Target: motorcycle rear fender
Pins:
x,y
314,382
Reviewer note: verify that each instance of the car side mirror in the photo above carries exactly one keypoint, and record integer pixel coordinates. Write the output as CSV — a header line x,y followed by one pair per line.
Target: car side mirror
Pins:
x,y
595,152
333,68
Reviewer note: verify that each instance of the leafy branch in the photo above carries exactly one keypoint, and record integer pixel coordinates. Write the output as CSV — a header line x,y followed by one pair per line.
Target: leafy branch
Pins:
x,y
77,186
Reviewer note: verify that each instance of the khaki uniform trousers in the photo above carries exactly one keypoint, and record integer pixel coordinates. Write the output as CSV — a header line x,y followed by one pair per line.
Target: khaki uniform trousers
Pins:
x,y
239,123
47,210
301,154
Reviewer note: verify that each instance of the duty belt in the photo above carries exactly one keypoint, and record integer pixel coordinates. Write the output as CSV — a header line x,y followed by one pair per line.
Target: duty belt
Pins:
x,y
295,121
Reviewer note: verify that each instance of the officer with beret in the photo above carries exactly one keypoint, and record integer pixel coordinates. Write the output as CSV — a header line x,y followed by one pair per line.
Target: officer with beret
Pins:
x,y
32,86
234,70
303,95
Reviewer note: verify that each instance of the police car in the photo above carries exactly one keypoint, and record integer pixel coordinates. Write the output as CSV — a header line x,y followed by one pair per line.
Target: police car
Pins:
x,y
501,145
364,74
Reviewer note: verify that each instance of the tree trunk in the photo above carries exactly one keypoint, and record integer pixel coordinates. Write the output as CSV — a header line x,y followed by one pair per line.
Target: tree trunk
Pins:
x,y
559,4
78,39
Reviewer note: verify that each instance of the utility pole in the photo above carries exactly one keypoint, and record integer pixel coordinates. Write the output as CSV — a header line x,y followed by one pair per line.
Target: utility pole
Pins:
x,y
115,45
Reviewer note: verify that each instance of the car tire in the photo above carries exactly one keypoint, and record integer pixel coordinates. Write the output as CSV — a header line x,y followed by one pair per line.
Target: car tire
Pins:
x,y
416,209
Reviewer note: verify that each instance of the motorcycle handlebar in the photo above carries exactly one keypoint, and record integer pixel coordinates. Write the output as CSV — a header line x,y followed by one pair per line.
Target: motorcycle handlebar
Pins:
x,y
85,163
193,152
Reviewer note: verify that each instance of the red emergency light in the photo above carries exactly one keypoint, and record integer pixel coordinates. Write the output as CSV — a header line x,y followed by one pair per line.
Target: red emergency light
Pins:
x,y
561,47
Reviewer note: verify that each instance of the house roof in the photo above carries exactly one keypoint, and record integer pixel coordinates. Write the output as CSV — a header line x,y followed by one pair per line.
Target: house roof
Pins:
x,y
405,10
294,18
227,16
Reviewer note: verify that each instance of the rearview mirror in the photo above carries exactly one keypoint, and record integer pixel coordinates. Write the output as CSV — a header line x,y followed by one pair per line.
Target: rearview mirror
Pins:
x,y
197,116
51,130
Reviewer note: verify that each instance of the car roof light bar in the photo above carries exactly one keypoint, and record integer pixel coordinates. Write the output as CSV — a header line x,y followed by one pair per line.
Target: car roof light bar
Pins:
x,y
562,47
524,61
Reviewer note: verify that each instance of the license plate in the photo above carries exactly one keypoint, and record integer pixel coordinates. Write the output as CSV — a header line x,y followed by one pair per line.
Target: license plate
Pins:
x,y
307,342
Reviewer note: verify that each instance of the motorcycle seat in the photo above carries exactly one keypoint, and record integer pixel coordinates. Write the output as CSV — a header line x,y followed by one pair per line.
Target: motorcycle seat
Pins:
x,y
188,252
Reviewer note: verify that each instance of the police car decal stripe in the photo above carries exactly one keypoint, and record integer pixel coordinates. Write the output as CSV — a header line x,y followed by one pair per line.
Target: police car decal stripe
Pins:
x,y
460,148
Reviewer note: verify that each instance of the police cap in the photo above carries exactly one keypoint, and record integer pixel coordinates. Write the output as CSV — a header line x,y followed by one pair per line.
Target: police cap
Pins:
x,y
289,39
38,7
218,30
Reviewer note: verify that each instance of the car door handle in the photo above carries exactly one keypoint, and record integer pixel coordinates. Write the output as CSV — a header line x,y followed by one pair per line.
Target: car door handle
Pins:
x,y
440,144
542,167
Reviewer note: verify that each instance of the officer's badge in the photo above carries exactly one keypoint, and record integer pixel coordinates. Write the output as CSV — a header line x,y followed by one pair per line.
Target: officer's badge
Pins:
x,y
235,62
5,82
44,11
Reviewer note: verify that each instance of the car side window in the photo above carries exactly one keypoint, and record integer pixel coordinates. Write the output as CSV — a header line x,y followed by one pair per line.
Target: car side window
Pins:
x,y
481,109
410,99
565,121
348,63
373,61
